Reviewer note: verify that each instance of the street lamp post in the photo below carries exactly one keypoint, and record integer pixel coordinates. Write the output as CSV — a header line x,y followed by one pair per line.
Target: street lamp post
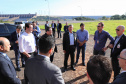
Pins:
x,y
48,8
81,10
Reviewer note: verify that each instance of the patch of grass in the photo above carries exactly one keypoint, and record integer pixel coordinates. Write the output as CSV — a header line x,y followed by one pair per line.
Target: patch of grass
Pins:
x,y
109,26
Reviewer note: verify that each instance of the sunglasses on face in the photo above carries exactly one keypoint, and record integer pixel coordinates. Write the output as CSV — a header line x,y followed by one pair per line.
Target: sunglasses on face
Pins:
x,y
121,57
117,29
98,26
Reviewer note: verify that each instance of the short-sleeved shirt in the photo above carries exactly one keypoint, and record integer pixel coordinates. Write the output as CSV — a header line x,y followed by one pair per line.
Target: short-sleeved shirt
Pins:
x,y
101,38
82,35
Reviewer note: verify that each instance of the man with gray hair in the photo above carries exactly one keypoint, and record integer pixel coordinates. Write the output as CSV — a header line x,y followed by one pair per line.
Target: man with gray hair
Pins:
x,y
117,47
69,45
121,78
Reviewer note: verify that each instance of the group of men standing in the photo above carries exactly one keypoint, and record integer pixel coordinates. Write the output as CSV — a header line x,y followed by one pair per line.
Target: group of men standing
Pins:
x,y
26,43
53,25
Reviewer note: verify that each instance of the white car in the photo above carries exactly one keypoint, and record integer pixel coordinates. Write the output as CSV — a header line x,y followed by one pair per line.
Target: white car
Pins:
x,y
22,24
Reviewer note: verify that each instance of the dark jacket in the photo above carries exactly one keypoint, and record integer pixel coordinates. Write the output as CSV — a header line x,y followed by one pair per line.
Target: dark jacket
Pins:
x,y
120,79
7,72
59,26
39,70
14,38
122,42
54,25
66,41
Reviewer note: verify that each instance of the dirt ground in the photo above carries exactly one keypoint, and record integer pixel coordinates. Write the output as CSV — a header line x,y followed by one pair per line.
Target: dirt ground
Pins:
x,y
70,77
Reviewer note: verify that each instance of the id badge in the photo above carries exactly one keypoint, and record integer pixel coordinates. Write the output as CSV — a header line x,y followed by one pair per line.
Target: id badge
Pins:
x,y
97,41
118,46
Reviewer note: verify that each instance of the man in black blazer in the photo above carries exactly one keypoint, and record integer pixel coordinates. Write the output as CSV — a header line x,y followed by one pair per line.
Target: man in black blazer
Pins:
x,y
46,25
59,26
7,70
53,25
69,45
14,39
49,34
121,78
39,69
117,47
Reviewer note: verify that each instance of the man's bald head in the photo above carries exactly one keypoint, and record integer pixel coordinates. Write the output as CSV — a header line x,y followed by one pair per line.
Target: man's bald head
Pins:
x,y
4,44
123,53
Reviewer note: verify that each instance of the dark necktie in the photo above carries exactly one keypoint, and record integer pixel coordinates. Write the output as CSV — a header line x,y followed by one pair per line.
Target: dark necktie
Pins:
x,y
18,35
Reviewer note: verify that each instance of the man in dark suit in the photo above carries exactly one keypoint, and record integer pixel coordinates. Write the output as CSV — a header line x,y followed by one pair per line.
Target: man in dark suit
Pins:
x,y
121,78
14,38
117,47
46,25
66,28
53,25
59,26
39,69
49,34
7,70
69,45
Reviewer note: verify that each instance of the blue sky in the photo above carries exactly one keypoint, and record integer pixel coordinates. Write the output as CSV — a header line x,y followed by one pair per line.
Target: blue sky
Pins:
x,y
64,7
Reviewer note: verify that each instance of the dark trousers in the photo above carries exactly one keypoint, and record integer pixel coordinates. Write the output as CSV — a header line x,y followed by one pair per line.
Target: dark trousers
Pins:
x,y
71,52
115,66
96,52
26,58
51,57
53,29
83,47
59,33
17,56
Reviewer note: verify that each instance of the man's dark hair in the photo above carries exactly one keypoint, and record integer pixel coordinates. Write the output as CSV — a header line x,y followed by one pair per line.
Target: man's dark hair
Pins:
x,y
33,22
82,24
46,21
48,28
99,69
45,44
102,24
27,25
2,43
18,27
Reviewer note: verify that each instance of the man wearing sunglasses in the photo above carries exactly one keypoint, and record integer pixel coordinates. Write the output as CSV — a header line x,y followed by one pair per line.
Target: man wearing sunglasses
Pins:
x,y
121,78
100,39
117,47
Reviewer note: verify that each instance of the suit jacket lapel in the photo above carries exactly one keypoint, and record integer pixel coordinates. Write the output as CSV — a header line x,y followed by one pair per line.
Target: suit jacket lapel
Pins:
x,y
119,40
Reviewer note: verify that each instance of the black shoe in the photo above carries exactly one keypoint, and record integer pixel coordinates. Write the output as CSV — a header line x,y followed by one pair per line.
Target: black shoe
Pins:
x,y
23,65
83,64
75,63
73,68
18,69
65,69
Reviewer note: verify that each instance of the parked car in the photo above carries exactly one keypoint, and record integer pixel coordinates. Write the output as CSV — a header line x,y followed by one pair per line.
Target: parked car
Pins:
x,y
22,24
6,30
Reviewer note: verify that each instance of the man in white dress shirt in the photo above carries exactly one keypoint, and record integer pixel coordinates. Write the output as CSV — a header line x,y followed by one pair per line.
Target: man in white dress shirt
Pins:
x,y
69,45
27,44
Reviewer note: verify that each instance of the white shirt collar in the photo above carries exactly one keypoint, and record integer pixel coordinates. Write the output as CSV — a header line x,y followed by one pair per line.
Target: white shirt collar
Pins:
x,y
44,56
3,53
123,71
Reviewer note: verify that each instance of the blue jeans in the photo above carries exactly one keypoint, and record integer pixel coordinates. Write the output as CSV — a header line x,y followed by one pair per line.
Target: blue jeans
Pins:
x,y
83,47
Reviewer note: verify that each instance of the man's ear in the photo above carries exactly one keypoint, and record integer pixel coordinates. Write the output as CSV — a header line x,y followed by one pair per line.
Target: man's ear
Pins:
x,y
1,47
50,51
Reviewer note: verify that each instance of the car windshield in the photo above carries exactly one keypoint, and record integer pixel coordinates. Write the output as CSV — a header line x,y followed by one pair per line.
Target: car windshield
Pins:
x,y
11,28
3,29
